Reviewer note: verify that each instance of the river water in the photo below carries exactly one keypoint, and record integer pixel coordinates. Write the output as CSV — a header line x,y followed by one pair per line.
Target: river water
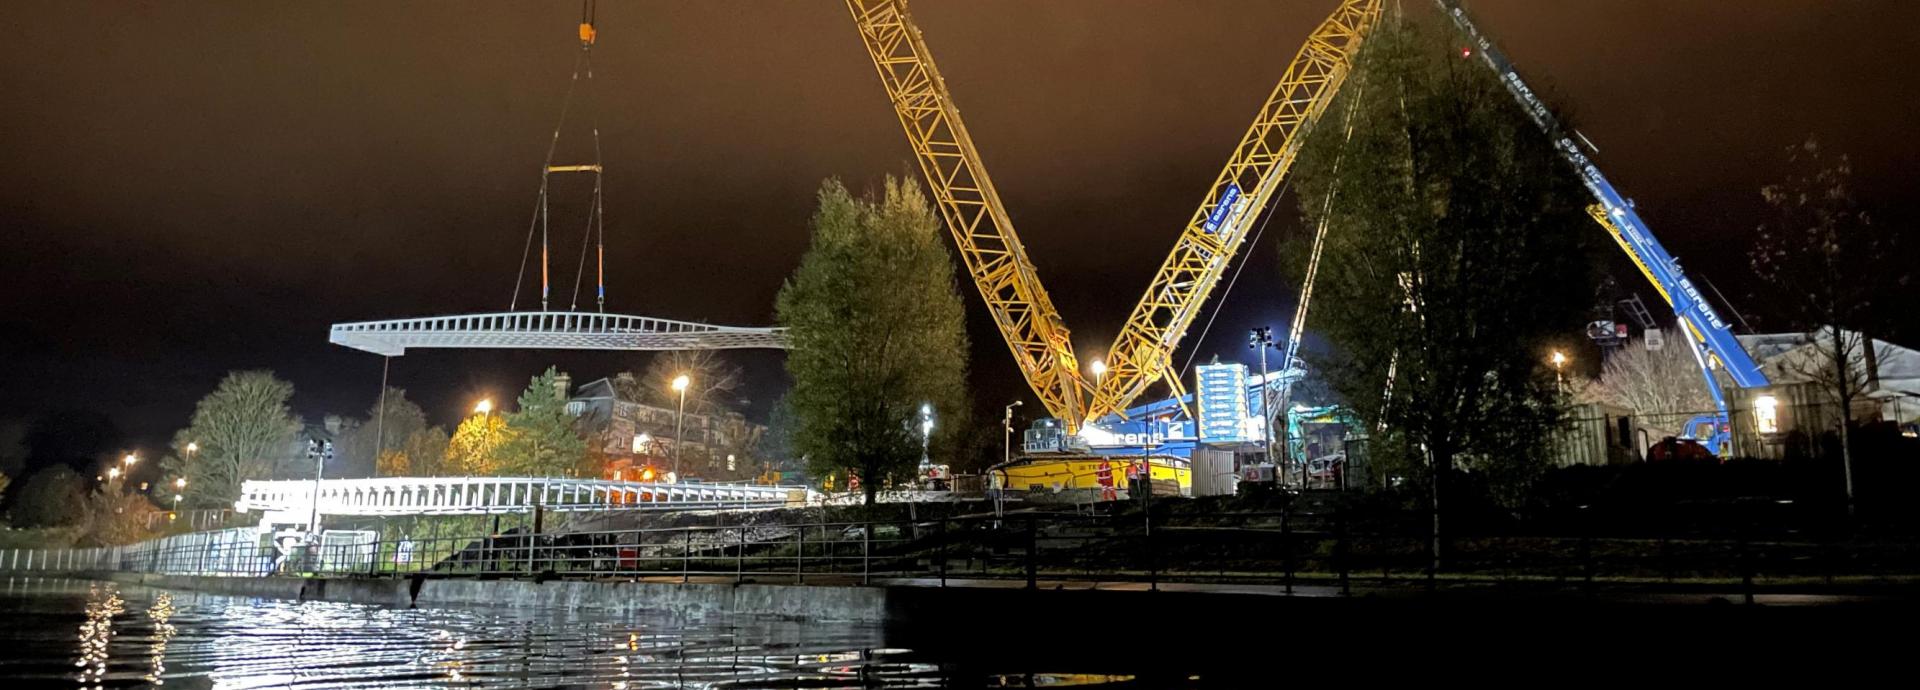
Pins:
x,y
86,634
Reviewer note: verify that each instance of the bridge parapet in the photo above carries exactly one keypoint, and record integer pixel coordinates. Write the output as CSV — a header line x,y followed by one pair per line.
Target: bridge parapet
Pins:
x,y
290,501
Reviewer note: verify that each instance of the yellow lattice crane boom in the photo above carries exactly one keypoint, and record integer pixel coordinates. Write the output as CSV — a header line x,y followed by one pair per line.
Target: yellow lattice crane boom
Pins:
x,y
989,249
998,264
1143,351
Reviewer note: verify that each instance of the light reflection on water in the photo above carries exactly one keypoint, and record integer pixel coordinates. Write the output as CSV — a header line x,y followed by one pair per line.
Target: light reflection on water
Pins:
x,y
133,636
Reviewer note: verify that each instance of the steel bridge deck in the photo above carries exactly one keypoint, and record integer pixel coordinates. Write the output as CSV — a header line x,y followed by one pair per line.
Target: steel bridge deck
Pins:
x,y
550,331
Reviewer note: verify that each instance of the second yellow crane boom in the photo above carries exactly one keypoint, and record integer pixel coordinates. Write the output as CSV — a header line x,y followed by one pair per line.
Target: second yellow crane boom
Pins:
x,y
998,264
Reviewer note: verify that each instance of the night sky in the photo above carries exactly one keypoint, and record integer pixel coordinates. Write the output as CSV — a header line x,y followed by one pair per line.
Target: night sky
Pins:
x,y
193,187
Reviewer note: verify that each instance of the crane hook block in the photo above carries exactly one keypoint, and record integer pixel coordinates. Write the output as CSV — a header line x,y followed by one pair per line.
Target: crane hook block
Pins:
x,y
586,34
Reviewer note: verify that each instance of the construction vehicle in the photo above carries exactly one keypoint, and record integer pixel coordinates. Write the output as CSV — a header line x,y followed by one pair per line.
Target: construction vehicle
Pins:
x,y
1711,337
1009,283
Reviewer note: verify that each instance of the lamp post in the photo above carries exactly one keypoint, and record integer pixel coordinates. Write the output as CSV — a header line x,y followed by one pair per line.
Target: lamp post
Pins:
x,y
680,384
179,485
1559,361
926,433
1261,339
1006,457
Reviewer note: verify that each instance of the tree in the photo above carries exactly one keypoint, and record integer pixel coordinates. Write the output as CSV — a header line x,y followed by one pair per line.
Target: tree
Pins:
x,y
114,516
390,422
1833,272
876,330
243,430
474,448
421,454
50,498
711,381
1455,257
1663,384
541,438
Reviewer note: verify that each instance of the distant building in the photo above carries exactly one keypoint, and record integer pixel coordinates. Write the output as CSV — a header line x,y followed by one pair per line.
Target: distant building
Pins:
x,y
633,435
1777,420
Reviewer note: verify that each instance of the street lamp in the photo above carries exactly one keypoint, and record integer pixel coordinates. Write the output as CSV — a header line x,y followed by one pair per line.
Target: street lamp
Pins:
x,y
129,460
1559,361
1006,453
113,473
679,421
1099,373
484,407
926,434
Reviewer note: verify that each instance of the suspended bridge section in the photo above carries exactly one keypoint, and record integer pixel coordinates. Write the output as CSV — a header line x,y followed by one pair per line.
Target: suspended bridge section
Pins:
x,y
549,330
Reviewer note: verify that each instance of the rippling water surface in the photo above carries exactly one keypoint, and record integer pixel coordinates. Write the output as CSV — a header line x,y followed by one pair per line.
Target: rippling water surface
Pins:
x,y
84,634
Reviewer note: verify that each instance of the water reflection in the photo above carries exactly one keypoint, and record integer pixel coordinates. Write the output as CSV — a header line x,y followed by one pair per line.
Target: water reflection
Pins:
x,y
201,640
157,616
96,634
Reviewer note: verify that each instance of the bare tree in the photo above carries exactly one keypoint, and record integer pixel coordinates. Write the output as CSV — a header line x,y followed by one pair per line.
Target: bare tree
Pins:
x,y
1657,384
712,381
242,430
1832,270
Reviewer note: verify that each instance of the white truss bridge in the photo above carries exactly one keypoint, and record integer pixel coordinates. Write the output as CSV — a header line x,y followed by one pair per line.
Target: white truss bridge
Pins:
x,y
549,330
291,501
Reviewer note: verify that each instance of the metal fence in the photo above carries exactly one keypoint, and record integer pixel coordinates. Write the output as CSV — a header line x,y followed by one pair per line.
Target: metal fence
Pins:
x,y
1278,548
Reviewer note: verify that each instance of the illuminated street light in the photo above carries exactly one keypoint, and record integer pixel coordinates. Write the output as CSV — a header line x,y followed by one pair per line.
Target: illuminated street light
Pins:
x,y
680,384
1559,360
484,407
113,473
130,459
926,434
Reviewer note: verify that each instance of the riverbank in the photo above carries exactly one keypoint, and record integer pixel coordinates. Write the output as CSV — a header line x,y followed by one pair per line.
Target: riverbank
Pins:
x,y
965,601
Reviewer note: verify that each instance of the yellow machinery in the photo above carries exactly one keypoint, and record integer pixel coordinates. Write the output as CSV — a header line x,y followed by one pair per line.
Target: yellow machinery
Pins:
x,y
998,264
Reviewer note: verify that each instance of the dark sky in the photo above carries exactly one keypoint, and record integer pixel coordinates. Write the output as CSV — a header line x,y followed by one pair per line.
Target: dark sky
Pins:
x,y
192,187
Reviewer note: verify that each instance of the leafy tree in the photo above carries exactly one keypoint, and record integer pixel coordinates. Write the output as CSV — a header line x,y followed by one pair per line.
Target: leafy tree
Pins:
x,y
387,428
243,430
1834,272
50,498
1455,256
474,449
1658,385
114,516
876,330
422,454
541,438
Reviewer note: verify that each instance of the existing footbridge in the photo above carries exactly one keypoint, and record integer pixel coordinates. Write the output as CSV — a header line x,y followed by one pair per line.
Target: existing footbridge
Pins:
x,y
292,501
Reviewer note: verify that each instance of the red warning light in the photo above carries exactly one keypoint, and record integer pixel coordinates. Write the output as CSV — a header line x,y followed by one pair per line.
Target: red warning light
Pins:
x,y
1466,51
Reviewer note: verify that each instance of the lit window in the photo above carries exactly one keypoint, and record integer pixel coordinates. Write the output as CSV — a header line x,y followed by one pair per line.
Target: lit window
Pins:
x,y
1766,414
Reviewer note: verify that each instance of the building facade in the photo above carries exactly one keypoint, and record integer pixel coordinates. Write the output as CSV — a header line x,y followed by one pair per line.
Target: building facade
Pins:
x,y
636,437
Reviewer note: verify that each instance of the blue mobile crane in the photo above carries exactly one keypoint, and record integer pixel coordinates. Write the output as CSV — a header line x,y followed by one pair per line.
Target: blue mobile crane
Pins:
x,y
1709,336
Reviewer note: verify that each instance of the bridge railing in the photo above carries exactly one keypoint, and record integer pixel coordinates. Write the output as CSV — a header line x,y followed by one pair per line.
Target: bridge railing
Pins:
x,y
494,495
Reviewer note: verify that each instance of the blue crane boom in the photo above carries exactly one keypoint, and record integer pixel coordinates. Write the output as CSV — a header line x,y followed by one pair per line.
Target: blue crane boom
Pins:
x,y
1710,337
